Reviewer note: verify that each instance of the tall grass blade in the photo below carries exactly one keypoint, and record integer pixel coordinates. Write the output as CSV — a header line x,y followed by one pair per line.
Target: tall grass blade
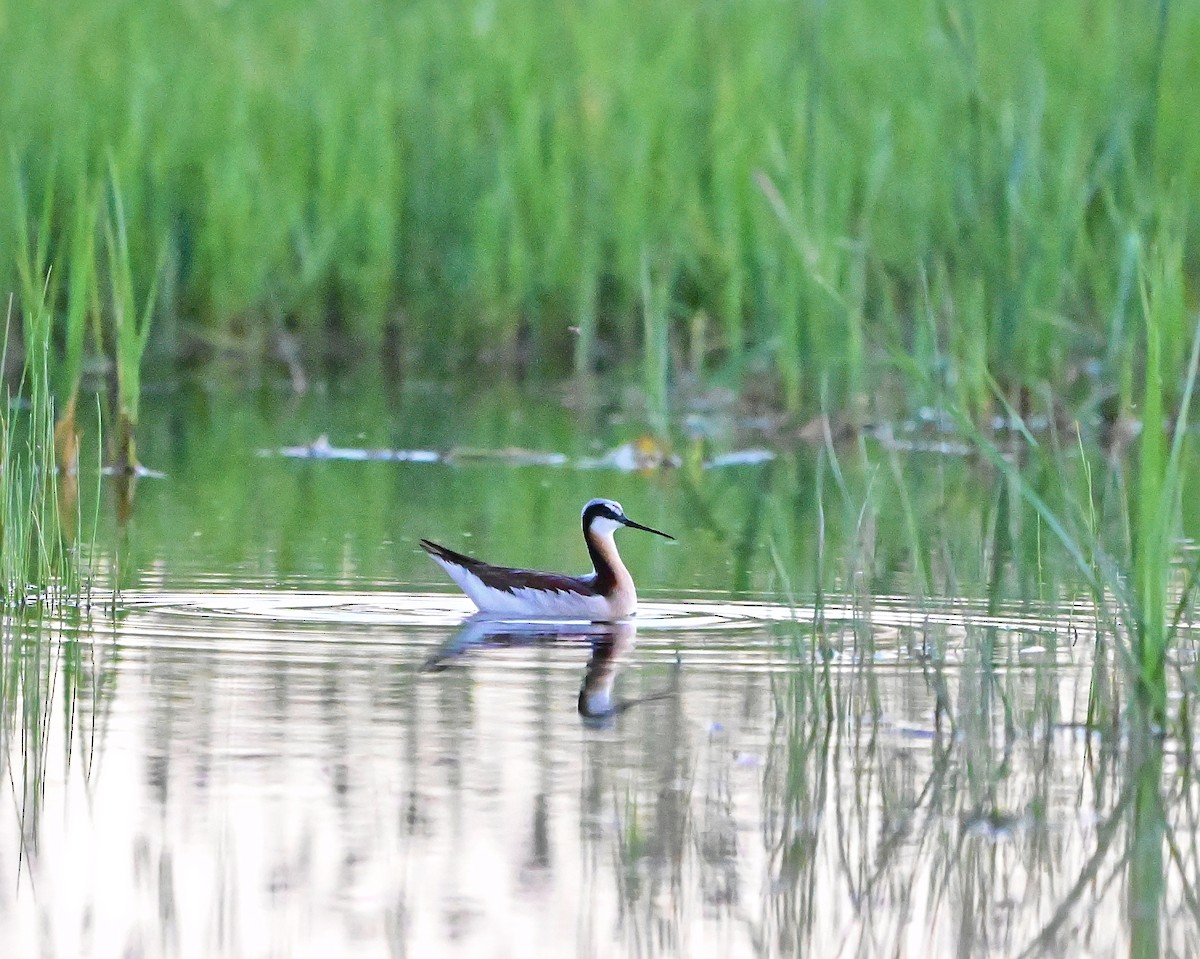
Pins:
x,y
130,326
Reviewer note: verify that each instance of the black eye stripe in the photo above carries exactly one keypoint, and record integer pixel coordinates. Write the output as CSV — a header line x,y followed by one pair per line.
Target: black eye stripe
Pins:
x,y
602,510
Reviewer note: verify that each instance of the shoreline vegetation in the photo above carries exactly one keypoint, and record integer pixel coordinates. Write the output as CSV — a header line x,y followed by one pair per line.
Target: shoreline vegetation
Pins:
x,y
790,201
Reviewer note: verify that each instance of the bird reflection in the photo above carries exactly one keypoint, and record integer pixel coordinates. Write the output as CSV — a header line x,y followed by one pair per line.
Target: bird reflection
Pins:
x,y
611,646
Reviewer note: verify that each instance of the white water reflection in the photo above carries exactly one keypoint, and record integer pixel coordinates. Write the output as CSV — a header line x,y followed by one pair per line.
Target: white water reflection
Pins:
x,y
256,774
450,609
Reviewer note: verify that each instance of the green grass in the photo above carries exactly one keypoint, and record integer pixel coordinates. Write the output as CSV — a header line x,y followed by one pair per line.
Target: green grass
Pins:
x,y
40,519
1160,478
130,325
481,178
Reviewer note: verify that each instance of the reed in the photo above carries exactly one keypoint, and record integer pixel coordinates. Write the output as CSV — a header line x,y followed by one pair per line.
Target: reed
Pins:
x,y
482,179
130,314
1125,552
1160,477
655,345
39,516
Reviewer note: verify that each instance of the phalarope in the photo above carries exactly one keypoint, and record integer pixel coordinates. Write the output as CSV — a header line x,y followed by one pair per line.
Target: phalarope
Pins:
x,y
605,594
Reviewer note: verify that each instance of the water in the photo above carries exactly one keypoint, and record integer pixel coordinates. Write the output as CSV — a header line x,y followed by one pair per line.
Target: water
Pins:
x,y
289,738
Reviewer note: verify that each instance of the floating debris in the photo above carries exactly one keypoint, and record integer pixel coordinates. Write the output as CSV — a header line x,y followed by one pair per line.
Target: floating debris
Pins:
x,y
643,454
749,457
511,455
136,470
322,449
889,440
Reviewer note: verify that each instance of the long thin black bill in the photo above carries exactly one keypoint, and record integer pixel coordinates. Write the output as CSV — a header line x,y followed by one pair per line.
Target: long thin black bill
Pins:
x,y
648,529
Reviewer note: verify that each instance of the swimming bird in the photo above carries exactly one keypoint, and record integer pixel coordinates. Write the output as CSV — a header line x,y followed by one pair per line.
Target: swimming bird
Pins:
x,y
603,595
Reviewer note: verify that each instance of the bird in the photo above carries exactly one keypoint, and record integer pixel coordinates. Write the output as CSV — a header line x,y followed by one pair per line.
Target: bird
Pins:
x,y
606,594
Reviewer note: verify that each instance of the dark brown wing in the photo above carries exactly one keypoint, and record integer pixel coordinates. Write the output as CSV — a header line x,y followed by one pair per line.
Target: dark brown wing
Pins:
x,y
508,579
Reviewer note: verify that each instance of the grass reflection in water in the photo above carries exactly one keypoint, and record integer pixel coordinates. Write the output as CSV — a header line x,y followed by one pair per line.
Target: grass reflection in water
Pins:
x,y
868,710
398,783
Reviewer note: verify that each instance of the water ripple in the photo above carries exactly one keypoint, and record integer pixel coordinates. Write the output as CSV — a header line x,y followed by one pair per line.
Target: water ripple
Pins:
x,y
440,610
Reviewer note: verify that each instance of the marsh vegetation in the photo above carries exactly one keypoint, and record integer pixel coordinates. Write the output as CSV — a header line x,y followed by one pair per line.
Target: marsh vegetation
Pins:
x,y
890,316
748,194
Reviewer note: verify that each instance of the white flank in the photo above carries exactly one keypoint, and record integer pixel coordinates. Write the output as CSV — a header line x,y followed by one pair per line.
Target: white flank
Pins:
x,y
526,602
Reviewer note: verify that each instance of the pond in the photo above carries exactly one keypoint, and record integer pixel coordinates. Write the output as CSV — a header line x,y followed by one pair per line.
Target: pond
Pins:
x,y
865,708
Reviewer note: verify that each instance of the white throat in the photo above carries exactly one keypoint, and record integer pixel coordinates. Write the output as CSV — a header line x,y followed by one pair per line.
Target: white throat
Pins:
x,y
602,527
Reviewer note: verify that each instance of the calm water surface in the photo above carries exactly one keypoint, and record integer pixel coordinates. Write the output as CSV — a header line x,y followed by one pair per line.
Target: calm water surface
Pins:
x,y
830,737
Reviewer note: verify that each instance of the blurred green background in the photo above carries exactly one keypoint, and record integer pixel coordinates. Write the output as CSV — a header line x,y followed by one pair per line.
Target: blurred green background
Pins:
x,y
826,201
